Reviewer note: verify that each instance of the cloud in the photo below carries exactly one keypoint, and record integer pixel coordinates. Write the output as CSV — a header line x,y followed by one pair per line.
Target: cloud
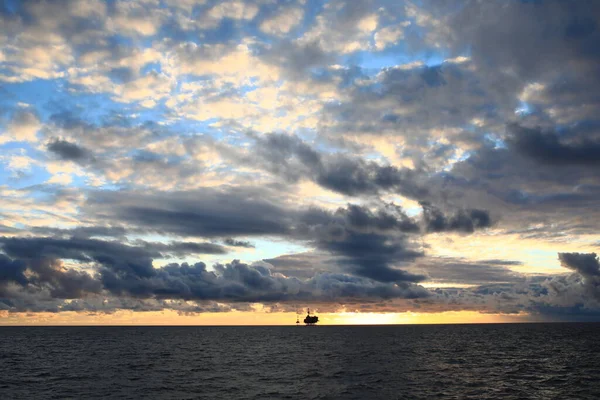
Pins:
x,y
134,18
556,30
137,255
389,35
205,213
343,27
368,243
47,273
238,243
35,280
547,147
18,163
389,217
42,37
297,58
234,10
283,22
232,282
68,151
293,159
83,231
560,297
585,264
305,265
459,271
415,107
12,270
23,127
368,240
182,249
462,221
370,255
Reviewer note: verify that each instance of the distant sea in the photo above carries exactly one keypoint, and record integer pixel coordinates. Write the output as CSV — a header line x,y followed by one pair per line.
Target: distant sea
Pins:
x,y
507,361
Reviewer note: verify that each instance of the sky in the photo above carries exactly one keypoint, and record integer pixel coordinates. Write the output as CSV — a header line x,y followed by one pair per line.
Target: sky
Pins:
x,y
233,162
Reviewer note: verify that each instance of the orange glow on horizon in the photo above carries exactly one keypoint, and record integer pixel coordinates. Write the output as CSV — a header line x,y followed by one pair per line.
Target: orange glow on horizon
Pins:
x,y
249,318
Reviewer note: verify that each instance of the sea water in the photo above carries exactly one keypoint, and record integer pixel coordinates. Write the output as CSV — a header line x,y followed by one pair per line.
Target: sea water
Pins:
x,y
518,361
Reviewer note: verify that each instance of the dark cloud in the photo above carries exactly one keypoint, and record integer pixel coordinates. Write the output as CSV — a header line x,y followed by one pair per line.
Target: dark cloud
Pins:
x,y
370,255
537,200
389,217
547,146
40,282
239,282
293,159
520,193
233,282
355,176
69,151
182,249
83,231
80,249
563,35
585,264
12,270
64,283
462,271
380,235
116,149
368,243
409,105
122,74
113,253
555,31
305,265
461,221
501,262
8,229
295,58
46,274
238,243
204,213
559,297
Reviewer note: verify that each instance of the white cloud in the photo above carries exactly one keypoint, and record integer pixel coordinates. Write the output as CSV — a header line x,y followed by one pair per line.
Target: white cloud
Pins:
x,y
233,9
236,65
341,36
61,179
283,22
19,162
22,128
146,89
389,35
136,18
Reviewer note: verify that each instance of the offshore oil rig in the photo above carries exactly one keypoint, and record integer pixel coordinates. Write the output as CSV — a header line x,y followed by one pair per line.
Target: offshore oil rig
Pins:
x,y
309,320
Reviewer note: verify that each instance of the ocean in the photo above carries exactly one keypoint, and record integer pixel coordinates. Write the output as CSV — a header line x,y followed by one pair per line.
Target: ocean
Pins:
x,y
505,361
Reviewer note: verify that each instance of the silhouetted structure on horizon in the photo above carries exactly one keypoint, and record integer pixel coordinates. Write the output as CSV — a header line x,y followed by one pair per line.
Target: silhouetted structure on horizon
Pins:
x,y
310,319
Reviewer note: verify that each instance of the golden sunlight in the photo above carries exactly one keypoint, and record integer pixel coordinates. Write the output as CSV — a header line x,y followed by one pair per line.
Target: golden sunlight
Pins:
x,y
255,318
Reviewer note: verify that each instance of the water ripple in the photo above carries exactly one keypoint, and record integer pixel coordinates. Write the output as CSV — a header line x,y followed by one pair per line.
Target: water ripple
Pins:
x,y
529,361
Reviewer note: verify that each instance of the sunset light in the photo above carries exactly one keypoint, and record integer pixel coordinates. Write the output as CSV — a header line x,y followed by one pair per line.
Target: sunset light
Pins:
x,y
203,162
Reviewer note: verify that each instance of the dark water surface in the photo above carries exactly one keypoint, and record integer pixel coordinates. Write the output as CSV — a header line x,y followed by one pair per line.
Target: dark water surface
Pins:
x,y
520,361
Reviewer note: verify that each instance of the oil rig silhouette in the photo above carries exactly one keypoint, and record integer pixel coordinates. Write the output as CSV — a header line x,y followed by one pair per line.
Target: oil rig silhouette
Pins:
x,y
309,320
